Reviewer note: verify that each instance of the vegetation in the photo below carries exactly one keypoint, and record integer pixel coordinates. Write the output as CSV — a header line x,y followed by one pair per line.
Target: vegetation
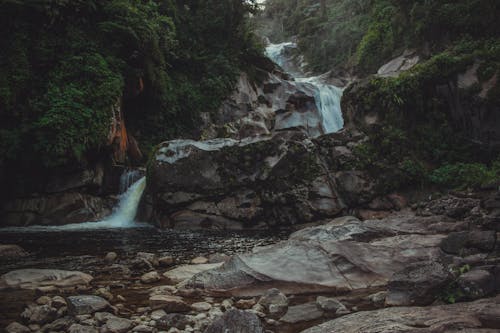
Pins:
x,y
64,64
362,34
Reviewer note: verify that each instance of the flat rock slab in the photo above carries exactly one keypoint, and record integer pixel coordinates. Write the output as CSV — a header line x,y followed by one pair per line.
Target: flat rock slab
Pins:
x,y
479,316
35,278
186,272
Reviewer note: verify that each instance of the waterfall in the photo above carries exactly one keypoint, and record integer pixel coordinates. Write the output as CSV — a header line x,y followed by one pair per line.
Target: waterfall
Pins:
x,y
128,178
327,96
123,215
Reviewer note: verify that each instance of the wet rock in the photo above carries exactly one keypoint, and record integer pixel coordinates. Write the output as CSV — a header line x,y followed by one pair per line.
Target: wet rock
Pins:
x,y
144,329
245,304
17,328
418,284
12,251
469,242
331,305
275,303
77,328
175,320
342,256
201,306
117,325
157,314
169,303
44,300
476,316
58,302
166,261
105,293
103,317
36,278
236,321
199,260
150,257
59,325
41,314
186,272
150,277
476,284
302,313
111,257
86,304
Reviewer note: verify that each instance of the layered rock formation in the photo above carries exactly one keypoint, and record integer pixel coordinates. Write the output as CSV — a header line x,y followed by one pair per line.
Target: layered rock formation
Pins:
x,y
279,180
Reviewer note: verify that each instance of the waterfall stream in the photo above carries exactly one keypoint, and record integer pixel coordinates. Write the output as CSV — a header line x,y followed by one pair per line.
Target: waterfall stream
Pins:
x,y
327,96
123,215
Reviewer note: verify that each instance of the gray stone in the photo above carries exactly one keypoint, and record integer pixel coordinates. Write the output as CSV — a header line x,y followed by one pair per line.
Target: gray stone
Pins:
x,y
37,278
77,328
418,284
168,303
41,314
118,325
275,303
302,313
150,277
476,284
480,316
331,305
175,320
86,304
469,242
12,251
236,321
17,328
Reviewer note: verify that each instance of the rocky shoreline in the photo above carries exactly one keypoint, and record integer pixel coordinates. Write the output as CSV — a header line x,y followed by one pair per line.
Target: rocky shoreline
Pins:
x,y
433,267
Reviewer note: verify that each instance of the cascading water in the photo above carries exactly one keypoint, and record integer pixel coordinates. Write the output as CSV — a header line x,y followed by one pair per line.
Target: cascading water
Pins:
x,y
128,178
327,96
122,217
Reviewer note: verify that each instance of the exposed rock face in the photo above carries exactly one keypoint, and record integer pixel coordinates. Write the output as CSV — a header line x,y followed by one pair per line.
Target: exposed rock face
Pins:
x,y
344,255
479,316
418,284
400,64
56,209
261,109
280,180
34,278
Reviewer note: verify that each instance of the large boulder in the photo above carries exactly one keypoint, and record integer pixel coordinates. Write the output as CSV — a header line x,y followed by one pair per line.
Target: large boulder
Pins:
x,y
344,255
479,316
35,278
86,304
283,179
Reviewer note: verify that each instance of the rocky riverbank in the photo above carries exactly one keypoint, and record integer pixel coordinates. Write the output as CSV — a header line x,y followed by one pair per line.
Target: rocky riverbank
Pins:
x,y
429,267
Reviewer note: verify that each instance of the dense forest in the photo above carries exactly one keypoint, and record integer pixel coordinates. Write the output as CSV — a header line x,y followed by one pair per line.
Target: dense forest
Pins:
x,y
65,64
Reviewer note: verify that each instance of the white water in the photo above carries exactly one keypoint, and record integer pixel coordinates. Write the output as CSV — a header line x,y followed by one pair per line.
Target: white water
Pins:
x,y
122,217
327,96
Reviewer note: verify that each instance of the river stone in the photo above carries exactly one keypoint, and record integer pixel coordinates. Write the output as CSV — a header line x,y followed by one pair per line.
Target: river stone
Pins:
x,y
175,320
186,272
199,260
476,316
418,284
41,314
168,303
58,302
111,257
301,313
77,328
331,305
59,325
201,306
150,277
236,321
36,278
86,304
12,251
476,284
274,302
117,325
469,242
15,327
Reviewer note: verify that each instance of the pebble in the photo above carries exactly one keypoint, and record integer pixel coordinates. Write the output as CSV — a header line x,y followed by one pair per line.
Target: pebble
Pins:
x,y
201,306
199,261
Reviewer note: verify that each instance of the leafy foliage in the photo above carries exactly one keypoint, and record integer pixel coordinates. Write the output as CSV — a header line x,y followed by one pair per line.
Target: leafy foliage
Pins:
x,y
64,64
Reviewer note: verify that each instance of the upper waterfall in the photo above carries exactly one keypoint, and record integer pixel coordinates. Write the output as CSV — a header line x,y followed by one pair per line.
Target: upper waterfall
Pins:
x,y
327,96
